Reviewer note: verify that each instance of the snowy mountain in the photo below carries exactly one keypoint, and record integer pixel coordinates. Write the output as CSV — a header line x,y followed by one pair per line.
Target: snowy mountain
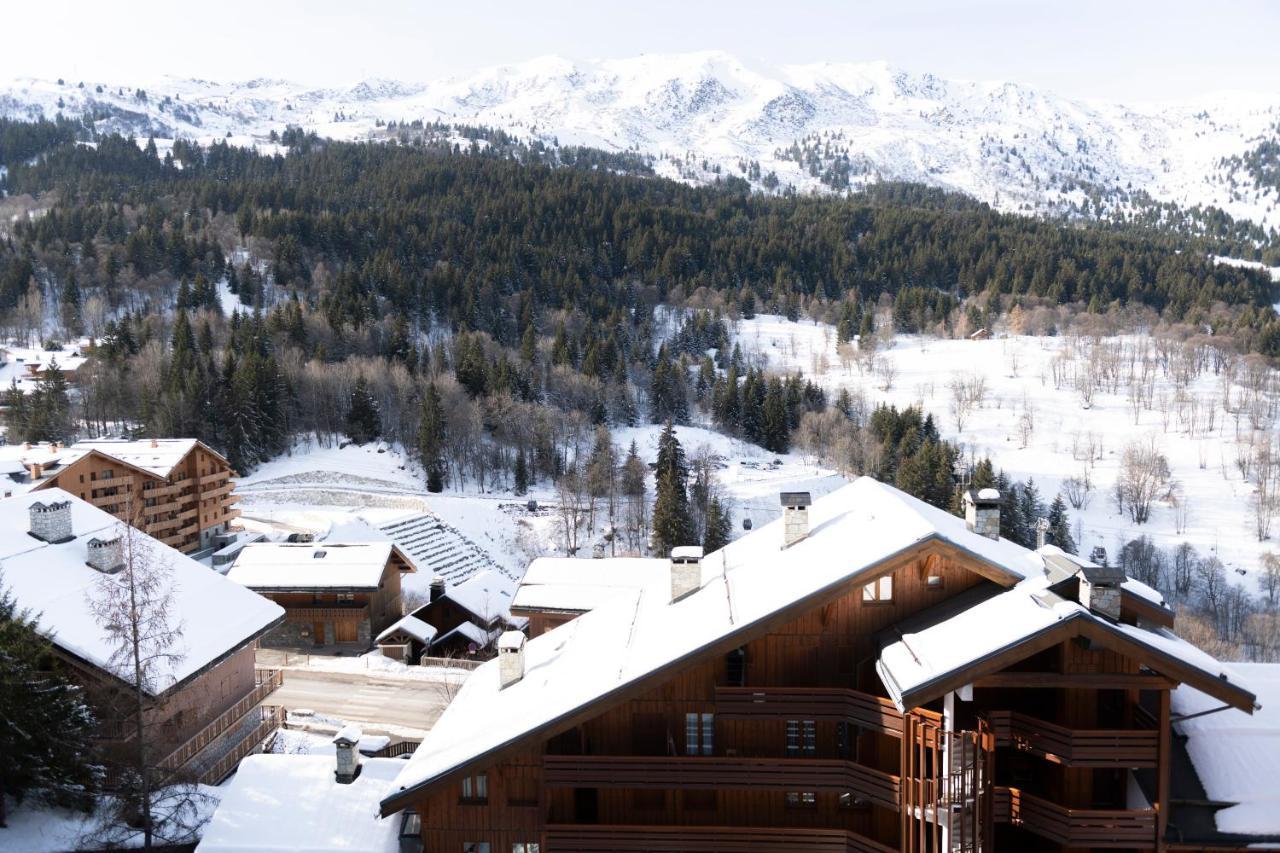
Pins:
x,y
820,127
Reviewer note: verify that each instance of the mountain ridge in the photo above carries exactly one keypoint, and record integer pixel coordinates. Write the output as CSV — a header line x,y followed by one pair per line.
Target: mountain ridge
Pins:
x,y
818,127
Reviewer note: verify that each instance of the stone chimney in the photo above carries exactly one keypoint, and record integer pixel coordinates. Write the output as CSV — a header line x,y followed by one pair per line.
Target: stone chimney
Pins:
x,y
51,522
347,746
795,517
1100,589
1042,532
982,512
686,570
437,588
510,658
154,443
106,555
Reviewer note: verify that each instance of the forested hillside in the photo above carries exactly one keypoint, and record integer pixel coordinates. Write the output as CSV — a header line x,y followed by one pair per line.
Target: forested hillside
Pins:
x,y
489,307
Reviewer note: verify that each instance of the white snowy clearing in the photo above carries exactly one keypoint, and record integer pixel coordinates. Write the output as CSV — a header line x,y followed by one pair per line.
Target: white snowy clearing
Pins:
x,y
1201,441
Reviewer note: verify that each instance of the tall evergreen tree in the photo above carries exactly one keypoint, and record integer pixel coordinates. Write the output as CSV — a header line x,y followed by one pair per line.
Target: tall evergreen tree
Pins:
x,y
719,526
431,437
1060,526
363,422
46,740
672,524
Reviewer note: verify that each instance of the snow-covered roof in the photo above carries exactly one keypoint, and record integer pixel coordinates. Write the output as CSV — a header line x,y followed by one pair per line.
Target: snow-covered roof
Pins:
x,y
292,802
486,594
955,643
577,585
637,633
55,584
158,456
312,565
1235,754
411,625
469,630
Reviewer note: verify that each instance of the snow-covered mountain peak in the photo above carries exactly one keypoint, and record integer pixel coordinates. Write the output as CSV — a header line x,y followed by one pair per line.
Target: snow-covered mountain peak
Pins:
x,y
815,127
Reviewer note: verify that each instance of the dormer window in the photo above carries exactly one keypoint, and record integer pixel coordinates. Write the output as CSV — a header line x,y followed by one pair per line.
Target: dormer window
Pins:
x,y
318,555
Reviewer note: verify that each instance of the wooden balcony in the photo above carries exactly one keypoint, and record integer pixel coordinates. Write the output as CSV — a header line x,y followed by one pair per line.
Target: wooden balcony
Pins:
x,y
213,479
810,703
1076,747
273,717
707,839
164,491
710,773
1133,829
266,681
321,614
216,492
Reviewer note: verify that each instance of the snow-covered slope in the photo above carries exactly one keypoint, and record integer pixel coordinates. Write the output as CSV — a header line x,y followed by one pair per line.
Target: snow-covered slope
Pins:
x,y
711,114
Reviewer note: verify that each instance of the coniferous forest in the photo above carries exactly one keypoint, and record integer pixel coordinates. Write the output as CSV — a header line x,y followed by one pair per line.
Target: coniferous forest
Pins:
x,y
490,307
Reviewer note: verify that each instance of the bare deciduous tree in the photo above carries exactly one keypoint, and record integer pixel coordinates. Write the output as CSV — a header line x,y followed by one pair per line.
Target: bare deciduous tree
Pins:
x,y
134,607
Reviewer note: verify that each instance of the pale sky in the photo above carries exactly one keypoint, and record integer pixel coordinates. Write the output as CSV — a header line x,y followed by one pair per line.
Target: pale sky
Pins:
x,y
1115,49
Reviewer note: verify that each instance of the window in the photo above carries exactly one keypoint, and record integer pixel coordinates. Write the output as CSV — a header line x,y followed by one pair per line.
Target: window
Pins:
x,y
475,847
802,738
410,824
699,734
802,799
526,847
933,581
736,668
475,789
879,590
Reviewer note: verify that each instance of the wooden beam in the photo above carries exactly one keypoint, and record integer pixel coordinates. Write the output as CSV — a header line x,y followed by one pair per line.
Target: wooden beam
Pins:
x,y
1162,772
1094,681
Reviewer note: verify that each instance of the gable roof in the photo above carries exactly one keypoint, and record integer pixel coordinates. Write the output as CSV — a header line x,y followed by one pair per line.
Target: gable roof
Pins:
x,y
572,585
411,626
277,566
746,587
925,664
158,460
55,583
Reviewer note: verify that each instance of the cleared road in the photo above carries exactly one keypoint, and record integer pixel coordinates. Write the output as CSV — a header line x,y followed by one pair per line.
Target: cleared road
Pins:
x,y
371,701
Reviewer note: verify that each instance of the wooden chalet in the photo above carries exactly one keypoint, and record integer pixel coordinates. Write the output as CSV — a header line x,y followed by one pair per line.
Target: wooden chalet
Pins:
x,y
866,674
203,706
177,490
332,592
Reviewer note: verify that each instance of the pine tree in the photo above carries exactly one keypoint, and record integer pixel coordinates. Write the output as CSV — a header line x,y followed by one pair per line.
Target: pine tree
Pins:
x,y
521,475
672,524
431,436
1060,526
718,527
363,422
46,744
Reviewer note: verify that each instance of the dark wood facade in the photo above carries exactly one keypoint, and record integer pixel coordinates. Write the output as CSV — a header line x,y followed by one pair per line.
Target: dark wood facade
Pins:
x,y
785,741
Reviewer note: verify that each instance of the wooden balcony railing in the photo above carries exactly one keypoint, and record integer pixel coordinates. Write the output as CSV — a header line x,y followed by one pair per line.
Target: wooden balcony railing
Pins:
x,y
810,703
267,681
215,477
1076,747
319,614
273,717
1114,828
708,773
707,839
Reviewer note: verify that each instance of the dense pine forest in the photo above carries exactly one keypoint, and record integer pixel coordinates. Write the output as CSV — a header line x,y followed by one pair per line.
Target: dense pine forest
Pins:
x,y
492,305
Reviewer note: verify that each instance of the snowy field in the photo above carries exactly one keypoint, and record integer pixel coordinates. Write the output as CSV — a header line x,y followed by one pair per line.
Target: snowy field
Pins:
x,y
346,492
1019,374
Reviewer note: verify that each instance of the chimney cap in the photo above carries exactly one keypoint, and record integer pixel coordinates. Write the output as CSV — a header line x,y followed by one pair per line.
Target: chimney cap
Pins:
x,y
796,499
984,496
348,735
687,553
1103,575
511,641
